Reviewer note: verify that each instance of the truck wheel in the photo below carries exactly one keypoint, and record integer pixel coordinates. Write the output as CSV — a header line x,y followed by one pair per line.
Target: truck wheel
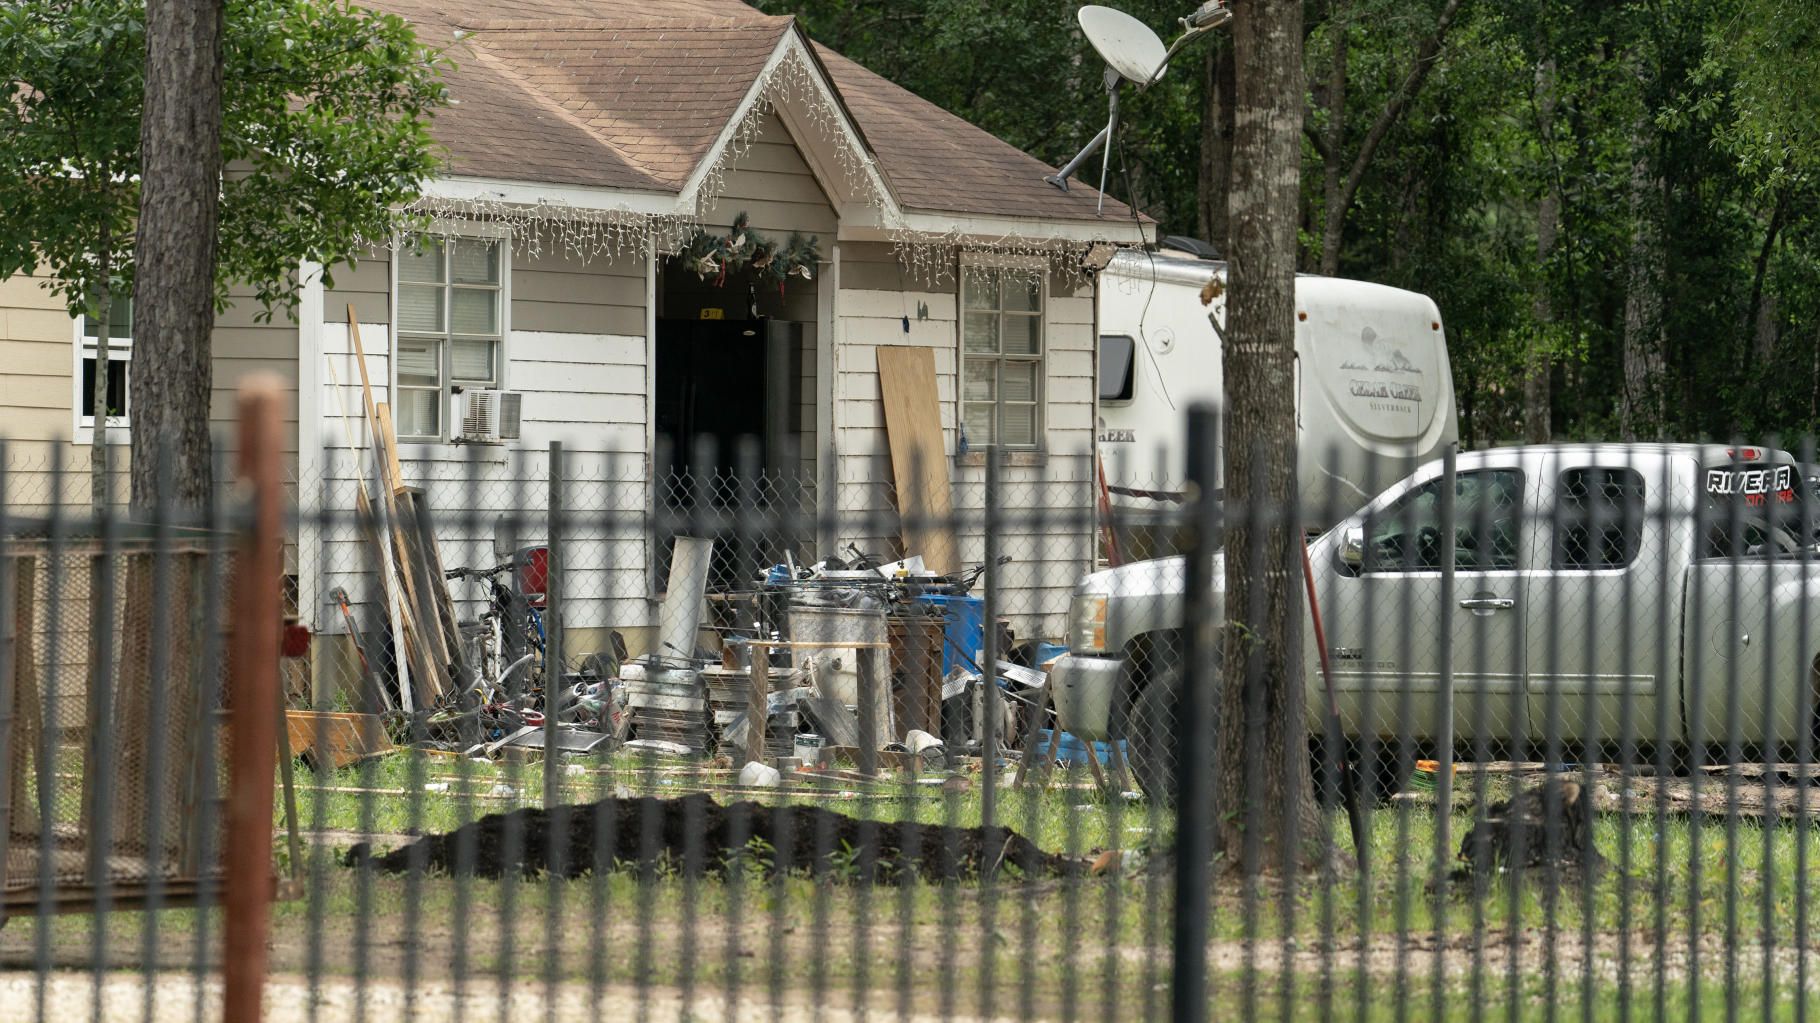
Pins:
x,y
1151,748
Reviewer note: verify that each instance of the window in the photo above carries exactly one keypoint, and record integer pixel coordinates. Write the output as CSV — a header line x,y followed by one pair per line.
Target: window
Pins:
x,y
1486,525
119,361
1002,355
449,312
1600,522
1118,357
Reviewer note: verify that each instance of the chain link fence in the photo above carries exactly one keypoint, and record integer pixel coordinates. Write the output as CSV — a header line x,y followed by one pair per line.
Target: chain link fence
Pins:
x,y
673,746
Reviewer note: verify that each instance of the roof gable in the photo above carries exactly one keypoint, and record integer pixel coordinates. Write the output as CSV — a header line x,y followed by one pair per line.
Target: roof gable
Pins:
x,y
649,96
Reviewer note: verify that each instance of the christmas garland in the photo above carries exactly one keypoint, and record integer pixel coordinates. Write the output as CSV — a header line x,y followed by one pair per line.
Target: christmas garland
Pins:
x,y
741,248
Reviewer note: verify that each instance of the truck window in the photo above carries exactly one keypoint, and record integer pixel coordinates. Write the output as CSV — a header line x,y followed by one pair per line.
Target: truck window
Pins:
x,y
1118,357
1598,518
1751,507
1406,537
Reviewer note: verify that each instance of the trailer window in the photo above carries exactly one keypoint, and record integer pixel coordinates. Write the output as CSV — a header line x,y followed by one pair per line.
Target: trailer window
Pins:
x,y
1599,522
1118,358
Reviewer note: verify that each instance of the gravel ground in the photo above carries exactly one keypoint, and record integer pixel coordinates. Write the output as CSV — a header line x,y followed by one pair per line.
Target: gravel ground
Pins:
x,y
71,996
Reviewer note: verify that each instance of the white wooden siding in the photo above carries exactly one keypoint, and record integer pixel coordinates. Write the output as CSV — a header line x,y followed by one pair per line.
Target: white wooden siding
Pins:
x,y
876,294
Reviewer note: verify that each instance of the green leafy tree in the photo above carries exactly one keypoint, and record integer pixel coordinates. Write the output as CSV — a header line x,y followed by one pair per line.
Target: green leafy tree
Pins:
x,y
324,140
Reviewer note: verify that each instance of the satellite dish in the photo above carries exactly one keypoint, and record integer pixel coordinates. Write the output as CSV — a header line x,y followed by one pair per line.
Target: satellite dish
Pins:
x,y
1125,43
1133,54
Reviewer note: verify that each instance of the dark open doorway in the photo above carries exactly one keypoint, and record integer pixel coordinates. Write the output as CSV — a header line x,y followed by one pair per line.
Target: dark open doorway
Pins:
x,y
728,391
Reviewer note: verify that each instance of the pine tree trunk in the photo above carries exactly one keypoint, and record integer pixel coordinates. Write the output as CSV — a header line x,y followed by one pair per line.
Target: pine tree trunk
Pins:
x,y
1640,412
1216,148
1538,402
1333,167
1266,817
180,141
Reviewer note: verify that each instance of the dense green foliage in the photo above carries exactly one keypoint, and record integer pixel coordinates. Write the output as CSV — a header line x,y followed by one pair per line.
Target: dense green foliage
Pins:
x,y
325,134
1676,142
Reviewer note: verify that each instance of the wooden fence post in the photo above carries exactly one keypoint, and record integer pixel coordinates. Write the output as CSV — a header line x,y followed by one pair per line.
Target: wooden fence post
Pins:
x,y
253,681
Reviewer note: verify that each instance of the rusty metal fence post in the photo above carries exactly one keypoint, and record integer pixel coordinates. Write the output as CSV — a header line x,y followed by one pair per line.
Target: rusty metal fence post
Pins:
x,y
253,687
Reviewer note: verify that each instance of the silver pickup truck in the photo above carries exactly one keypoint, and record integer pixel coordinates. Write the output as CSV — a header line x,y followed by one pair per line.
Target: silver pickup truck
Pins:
x,y
1655,593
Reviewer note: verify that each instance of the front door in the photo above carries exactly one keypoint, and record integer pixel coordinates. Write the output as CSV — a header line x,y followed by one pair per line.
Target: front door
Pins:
x,y
1389,633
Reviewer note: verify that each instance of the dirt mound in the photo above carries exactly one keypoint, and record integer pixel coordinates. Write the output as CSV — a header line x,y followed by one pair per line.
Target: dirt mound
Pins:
x,y
697,836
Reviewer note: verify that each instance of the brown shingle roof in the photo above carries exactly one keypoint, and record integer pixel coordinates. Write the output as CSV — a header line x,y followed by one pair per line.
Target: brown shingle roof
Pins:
x,y
937,161
632,94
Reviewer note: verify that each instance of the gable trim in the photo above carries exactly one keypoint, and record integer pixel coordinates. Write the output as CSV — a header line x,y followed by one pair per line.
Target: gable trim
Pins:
x,y
791,62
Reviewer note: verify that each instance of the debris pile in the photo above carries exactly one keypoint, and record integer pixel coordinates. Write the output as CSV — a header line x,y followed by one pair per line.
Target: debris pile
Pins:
x,y
694,835
1547,827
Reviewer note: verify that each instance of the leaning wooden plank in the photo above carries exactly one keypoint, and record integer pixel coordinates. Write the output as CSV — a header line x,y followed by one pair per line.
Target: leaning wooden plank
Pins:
x,y
426,665
440,597
913,425
435,680
375,537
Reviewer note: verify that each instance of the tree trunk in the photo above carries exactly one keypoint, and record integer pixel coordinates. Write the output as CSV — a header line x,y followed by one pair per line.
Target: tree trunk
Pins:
x,y
1761,319
1266,816
1640,410
1427,55
1333,184
1216,148
180,143
99,470
1538,403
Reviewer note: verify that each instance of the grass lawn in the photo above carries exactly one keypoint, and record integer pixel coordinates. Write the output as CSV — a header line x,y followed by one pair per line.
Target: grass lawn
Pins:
x,y
1693,916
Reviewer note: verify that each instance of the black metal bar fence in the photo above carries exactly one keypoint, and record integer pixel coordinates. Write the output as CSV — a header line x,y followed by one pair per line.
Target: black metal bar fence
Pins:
x,y
567,740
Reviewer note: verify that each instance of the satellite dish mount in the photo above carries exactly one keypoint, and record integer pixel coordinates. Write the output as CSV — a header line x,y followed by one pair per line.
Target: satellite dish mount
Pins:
x,y
1133,53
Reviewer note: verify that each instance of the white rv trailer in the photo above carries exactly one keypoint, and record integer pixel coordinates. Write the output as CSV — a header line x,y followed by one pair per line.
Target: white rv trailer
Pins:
x,y
1374,391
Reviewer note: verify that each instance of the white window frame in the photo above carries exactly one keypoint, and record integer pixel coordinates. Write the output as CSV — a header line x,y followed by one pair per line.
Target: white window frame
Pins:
x,y
972,262
456,230
82,349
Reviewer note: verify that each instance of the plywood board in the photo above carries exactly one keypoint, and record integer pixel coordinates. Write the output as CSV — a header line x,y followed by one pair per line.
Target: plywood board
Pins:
x,y
919,467
341,739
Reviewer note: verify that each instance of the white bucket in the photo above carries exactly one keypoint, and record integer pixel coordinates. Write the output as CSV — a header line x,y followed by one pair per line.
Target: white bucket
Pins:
x,y
809,748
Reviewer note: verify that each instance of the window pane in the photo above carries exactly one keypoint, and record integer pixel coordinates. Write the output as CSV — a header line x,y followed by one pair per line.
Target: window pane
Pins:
x,y
1023,292
1118,355
474,262
471,360
982,332
418,363
418,412
475,312
981,384
420,308
978,419
1019,380
120,324
1023,335
1407,537
116,388
981,287
1020,426
421,263
1600,519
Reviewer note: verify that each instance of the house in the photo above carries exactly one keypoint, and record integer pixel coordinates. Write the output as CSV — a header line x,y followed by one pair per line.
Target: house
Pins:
x,y
588,143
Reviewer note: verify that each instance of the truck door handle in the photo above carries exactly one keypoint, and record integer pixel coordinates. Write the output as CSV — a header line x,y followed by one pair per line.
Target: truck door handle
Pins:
x,y
1488,603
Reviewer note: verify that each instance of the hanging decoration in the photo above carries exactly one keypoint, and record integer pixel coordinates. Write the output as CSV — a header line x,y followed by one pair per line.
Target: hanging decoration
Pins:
x,y
741,248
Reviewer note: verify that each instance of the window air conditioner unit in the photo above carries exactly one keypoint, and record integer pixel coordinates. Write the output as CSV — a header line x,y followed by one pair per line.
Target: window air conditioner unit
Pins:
x,y
486,416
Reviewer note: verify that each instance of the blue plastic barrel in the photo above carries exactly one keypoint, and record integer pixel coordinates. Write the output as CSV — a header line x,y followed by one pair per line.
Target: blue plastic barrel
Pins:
x,y
964,634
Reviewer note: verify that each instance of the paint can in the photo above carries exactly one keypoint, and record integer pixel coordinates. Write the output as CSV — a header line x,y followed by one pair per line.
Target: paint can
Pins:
x,y
809,749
